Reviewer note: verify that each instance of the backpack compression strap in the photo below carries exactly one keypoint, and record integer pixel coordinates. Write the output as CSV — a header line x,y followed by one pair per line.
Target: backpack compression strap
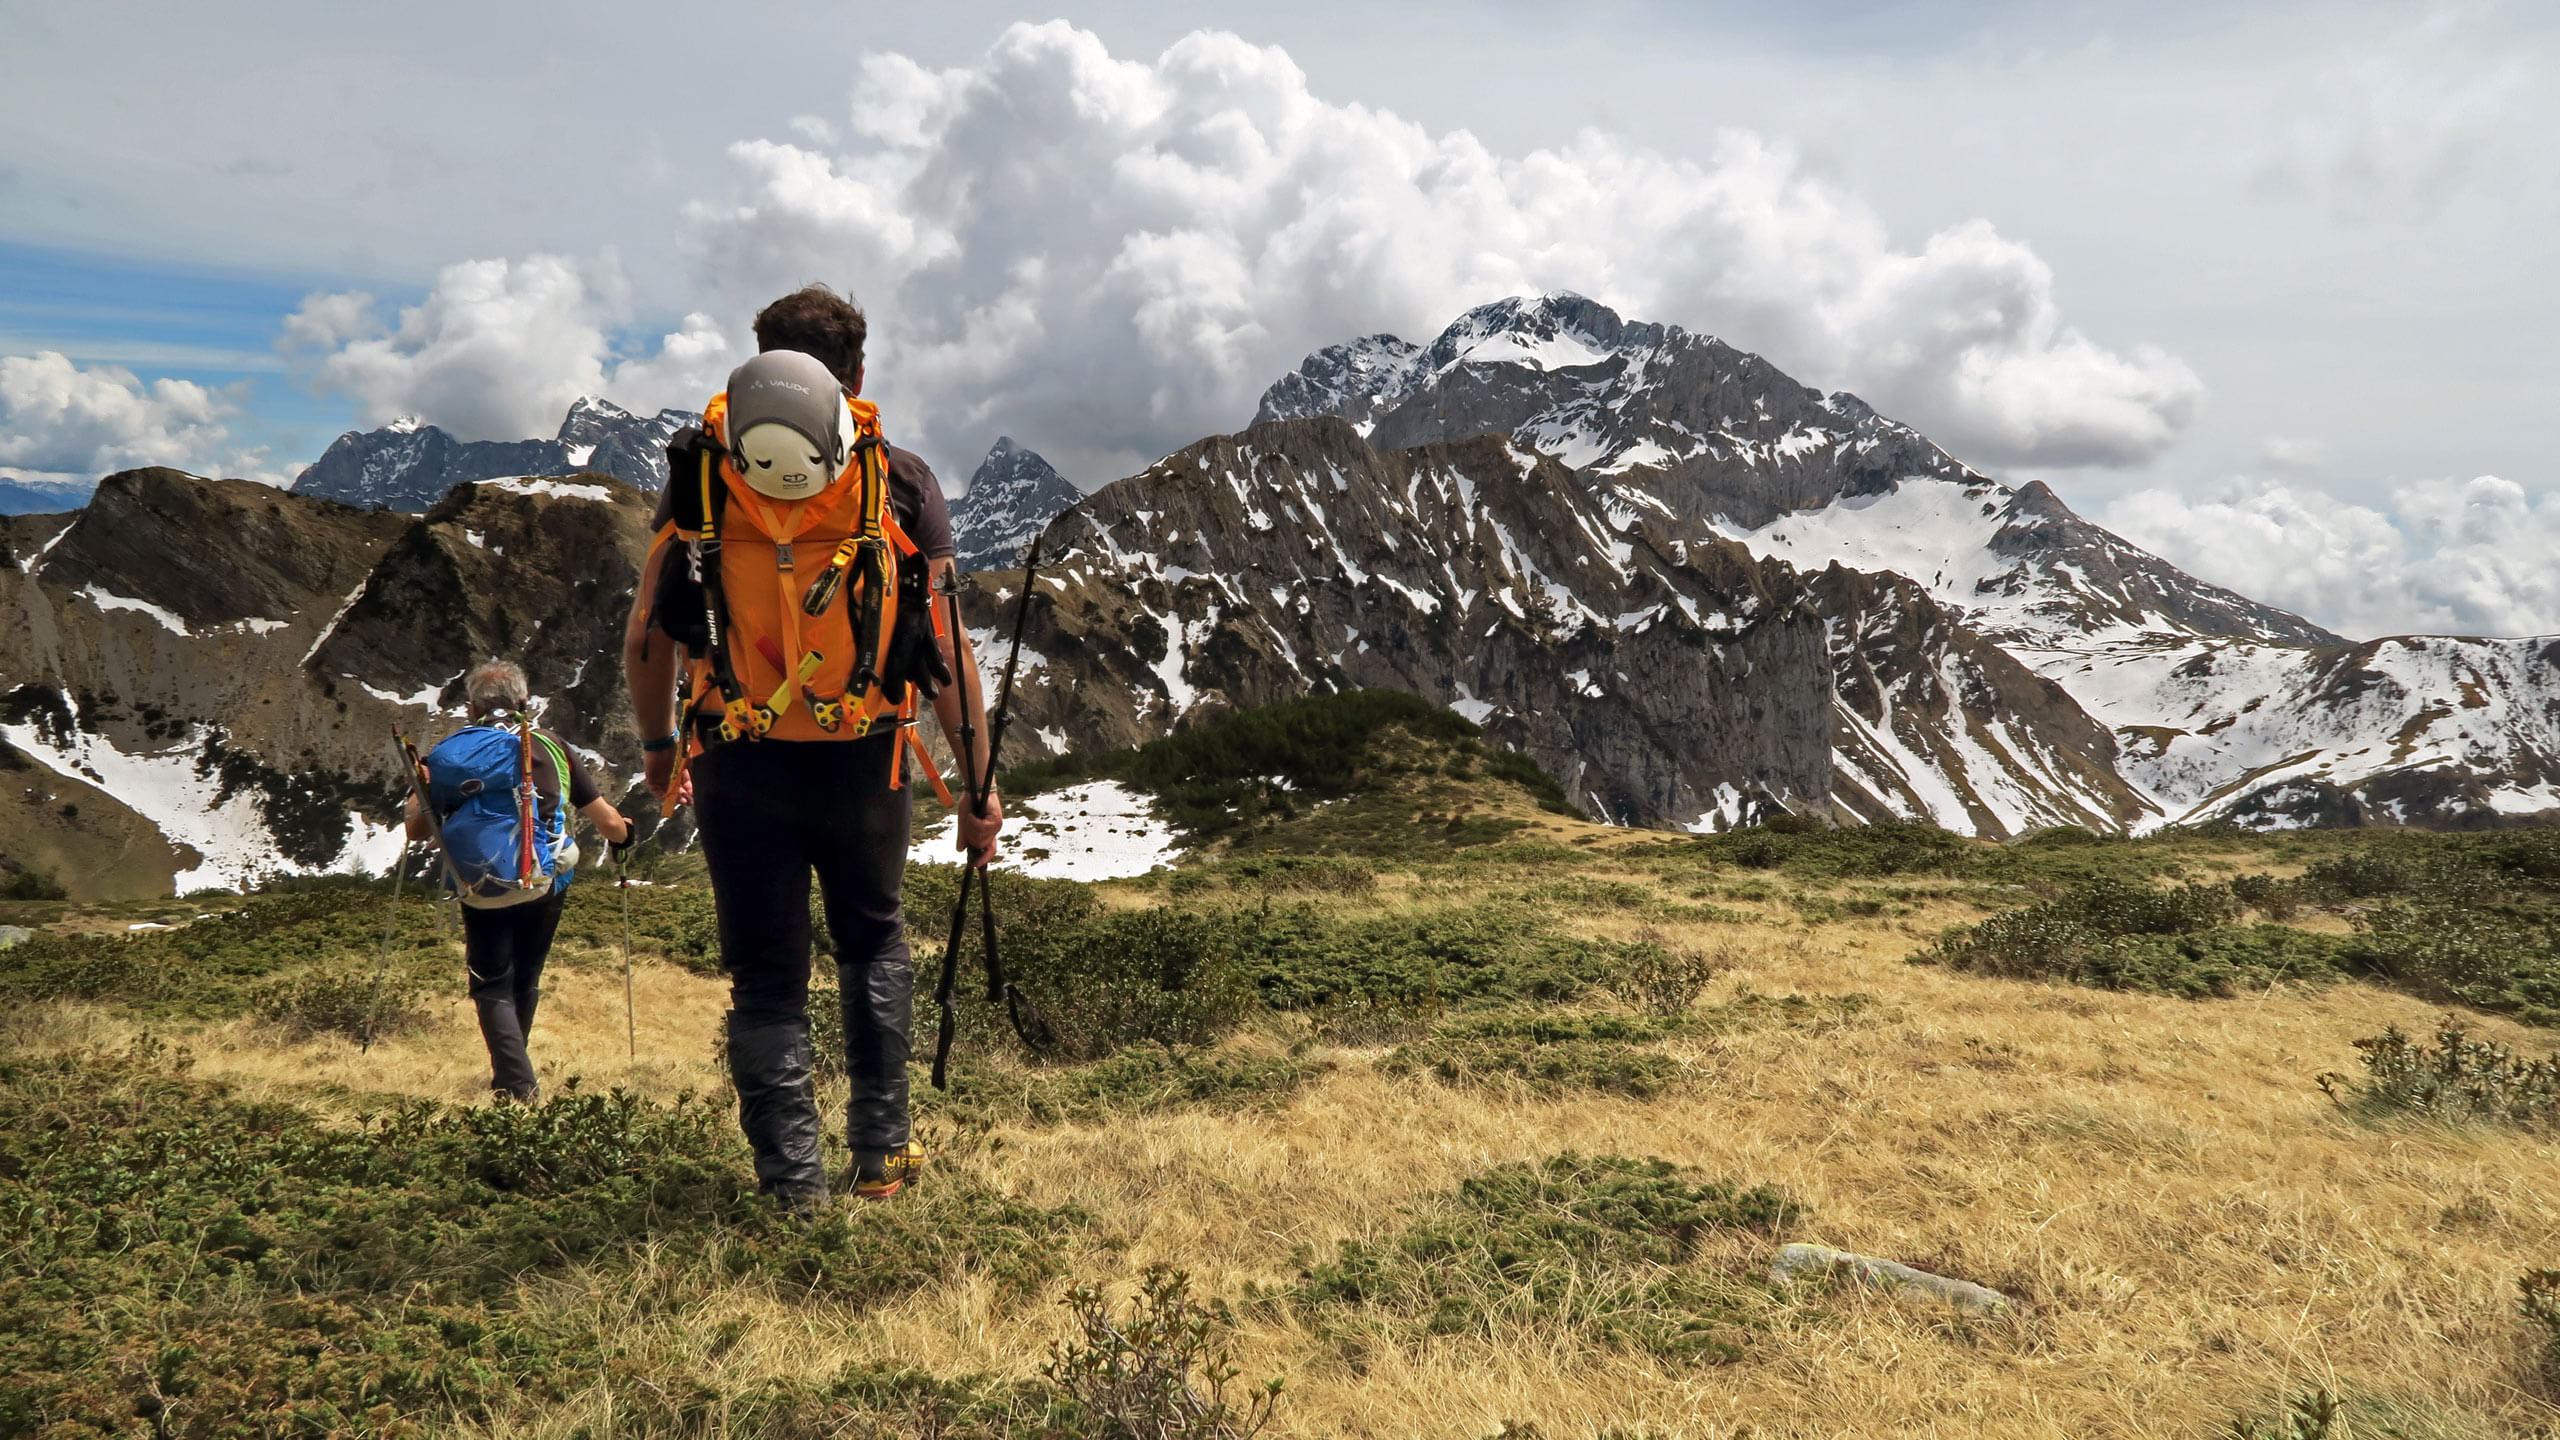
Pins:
x,y
524,803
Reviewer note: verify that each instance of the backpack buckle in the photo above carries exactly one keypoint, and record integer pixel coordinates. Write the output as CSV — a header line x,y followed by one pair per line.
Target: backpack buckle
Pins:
x,y
743,717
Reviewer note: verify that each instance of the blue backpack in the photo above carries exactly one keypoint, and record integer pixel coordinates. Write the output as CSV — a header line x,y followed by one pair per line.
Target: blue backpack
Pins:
x,y
477,781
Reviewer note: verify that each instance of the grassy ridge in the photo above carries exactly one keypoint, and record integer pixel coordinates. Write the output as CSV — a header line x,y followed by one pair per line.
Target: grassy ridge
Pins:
x,y
1465,1131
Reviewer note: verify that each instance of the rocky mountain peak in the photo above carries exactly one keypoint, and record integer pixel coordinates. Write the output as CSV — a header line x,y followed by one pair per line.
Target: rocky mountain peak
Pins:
x,y
1011,495
408,465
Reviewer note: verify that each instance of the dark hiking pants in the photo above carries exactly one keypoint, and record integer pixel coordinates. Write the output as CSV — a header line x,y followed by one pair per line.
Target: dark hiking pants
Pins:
x,y
505,950
773,813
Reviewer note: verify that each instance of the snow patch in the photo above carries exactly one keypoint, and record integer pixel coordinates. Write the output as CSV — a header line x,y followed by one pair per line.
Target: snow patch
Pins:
x,y
163,786
1100,830
536,485
105,601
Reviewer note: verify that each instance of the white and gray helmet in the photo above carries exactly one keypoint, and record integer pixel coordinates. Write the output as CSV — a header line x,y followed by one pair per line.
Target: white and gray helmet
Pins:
x,y
787,424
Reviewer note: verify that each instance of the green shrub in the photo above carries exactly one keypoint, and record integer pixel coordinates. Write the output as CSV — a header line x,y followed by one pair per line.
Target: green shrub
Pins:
x,y
2364,875
1661,976
271,1272
2121,936
1305,960
1137,1081
2538,1297
342,1002
26,883
2316,1416
1555,1055
211,967
1157,1372
1597,1248
1132,977
2456,1078
1282,875
2464,951
2278,900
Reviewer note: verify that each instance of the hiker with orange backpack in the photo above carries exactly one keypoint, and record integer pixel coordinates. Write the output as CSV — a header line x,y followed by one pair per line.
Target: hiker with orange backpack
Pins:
x,y
501,789
781,649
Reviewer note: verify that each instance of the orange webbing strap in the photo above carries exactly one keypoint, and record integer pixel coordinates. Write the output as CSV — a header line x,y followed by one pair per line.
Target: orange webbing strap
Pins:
x,y
785,530
907,745
675,782
524,803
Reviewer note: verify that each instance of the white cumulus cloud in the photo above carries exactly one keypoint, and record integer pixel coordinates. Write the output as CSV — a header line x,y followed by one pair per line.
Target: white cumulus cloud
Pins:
x,y
2441,556
1112,257
498,349
59,420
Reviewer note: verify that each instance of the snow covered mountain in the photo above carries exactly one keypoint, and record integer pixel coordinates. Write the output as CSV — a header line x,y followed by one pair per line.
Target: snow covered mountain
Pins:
x,y
1663,682
409,466
1693,590
1013,494
2223,707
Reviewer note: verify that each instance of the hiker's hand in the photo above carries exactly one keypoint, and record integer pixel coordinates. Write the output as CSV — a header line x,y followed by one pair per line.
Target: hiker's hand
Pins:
x,y
658,767
978,832
620,842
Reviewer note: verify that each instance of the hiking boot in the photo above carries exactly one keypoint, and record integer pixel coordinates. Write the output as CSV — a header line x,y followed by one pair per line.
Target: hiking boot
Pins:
x,y
879,1174
778,1108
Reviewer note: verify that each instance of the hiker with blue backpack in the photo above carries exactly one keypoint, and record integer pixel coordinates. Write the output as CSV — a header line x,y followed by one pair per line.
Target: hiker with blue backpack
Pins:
x,y
501,789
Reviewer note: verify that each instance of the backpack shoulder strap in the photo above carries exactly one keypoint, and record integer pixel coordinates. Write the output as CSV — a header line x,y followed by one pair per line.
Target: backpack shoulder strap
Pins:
x,y
559,764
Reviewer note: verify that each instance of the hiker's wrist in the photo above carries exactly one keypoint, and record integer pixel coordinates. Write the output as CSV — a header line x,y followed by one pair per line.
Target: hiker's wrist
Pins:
x,y
660,744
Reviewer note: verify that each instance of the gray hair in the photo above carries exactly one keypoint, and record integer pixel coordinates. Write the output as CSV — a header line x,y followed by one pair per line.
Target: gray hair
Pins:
x,y
496,685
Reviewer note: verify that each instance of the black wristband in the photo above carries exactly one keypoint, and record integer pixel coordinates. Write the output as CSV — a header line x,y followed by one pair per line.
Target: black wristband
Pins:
x,y
663,742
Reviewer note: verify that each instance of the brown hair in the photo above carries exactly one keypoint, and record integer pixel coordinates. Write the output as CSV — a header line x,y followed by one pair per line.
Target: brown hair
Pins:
x,y
815,320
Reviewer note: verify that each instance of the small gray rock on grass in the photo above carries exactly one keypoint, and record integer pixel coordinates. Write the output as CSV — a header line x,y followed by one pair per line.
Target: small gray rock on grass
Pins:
x,y
1794,1261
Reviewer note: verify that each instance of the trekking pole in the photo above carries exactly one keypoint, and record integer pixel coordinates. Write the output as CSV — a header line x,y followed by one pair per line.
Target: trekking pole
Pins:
x,y
1018,1008
977,786
947,1028
382,957
630,1007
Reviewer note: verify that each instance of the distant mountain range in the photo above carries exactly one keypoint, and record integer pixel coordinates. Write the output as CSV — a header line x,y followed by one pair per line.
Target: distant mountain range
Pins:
x,y
409,466
1692,589
42,497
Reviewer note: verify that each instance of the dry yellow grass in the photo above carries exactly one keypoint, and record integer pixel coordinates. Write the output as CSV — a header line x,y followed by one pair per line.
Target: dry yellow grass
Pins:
x,y
2194,1228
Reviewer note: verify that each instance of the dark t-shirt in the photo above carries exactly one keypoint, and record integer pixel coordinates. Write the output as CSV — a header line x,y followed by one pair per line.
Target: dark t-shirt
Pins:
x,y
915,493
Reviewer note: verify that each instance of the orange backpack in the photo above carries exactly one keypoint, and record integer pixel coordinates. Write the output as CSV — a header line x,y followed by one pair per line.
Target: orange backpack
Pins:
x,y
799,631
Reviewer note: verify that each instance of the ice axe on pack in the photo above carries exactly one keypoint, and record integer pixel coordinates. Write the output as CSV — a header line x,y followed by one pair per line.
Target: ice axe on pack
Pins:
x,y
975,788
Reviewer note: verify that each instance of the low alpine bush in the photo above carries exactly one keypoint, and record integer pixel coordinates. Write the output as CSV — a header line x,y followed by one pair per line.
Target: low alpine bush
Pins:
x,y
2456,1078
273,1272
1597,1248
341,1001
1545,1053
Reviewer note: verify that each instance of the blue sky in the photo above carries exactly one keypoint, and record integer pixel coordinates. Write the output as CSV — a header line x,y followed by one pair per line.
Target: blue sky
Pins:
x,y
2197,266
157,318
